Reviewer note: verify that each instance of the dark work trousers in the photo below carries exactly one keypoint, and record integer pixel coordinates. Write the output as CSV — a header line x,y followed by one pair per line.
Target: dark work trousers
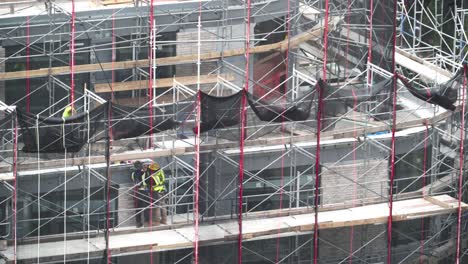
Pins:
x,y
142,206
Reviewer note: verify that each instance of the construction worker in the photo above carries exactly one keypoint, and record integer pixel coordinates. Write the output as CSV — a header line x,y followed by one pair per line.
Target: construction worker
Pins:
x,y
140,182
68,112
157,181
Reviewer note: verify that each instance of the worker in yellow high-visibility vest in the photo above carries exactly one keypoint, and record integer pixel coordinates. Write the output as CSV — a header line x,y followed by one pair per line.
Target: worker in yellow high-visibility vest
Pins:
x,y
141,194
158,189
68,112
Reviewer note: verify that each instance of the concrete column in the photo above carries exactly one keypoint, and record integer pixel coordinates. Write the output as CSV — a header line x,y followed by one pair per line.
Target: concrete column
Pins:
x,y
25,227
125,205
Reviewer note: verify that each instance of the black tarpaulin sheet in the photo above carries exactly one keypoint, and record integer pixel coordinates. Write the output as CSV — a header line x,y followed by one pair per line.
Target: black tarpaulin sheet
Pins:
x,y
219,112
337,101
129,122
444,96
282,110
55,135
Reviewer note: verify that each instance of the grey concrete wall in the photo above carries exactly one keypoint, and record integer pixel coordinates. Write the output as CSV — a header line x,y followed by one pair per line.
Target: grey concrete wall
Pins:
x,y
370,176
335,244
125,206
233,35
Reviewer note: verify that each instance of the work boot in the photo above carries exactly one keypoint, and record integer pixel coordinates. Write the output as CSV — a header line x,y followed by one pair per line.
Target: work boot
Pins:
x,y
156,223
138,225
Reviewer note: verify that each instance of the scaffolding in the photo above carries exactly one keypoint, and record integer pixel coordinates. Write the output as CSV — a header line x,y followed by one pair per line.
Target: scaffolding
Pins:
x,y
214,91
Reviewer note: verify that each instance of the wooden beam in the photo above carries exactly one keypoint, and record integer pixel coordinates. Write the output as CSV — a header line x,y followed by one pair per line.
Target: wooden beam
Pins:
x,y
116,2
438,202
180,59
160,83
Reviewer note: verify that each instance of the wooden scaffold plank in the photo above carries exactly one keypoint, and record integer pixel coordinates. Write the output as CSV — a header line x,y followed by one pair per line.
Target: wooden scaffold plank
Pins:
x,y
256,227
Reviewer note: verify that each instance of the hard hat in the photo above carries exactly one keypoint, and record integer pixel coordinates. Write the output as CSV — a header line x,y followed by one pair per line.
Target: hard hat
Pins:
x,y
138,165
154,166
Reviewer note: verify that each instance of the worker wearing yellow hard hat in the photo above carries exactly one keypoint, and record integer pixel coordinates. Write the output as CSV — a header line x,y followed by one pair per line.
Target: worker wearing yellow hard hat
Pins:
x,y
158,189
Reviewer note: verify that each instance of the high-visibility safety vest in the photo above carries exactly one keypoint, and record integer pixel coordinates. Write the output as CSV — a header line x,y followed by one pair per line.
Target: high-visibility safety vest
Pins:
x,y
139,180
158,181
67,112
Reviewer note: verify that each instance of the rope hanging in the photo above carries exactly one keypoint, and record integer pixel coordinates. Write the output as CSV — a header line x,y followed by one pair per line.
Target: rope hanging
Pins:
x,y
243,124
319,127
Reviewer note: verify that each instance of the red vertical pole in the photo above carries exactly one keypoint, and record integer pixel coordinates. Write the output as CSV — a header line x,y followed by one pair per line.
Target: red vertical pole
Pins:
x,y
197,177
288,17
462,164
243,125
351,234
28,82
15,187
196,186
72,55
317,170
421,259
151,96
393,154
113,57
151,73
108,183
371,34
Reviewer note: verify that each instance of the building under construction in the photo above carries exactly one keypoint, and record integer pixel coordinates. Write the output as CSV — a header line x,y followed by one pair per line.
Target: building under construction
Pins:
x,y
288,131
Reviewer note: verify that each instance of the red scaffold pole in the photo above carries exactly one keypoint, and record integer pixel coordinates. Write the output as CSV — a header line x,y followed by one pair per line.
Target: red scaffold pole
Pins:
x,y
426,132
462,163
392,154
108,182
197,179
197,147
243,125
288,17
28,67
72,55
15,188
151,73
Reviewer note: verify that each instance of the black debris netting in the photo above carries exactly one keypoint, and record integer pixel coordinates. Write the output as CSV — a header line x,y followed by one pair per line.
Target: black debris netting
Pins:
x,y
432,96
219,112
129,122
56,135
445,95
283,110
338,101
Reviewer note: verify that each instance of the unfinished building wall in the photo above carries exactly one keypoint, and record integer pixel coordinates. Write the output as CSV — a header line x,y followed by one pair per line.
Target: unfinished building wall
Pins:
x,y
369,183
209,37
